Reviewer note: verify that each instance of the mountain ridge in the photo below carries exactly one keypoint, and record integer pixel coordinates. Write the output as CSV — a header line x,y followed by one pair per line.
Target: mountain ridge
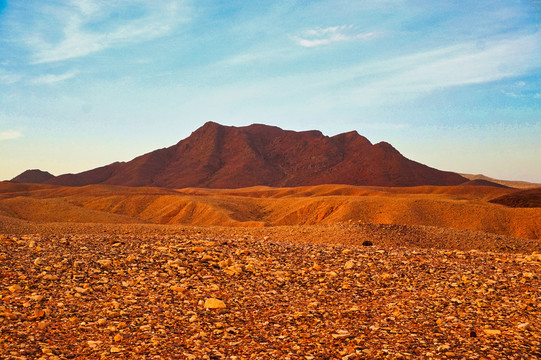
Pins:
x,y
218,156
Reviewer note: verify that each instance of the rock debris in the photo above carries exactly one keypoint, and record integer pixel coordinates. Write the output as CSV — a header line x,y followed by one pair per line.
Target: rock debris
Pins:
x,y
213,294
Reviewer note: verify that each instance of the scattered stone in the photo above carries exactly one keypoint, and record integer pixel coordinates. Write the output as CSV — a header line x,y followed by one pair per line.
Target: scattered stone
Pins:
x,y
14,288
50,277
233,270
115,349
105,262
180,289
94,343
80,290
158,297
341,334
213,303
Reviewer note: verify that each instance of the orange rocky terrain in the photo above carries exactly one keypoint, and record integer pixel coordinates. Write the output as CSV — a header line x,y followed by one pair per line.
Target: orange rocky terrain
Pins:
x,y
464,207
139,291
319,272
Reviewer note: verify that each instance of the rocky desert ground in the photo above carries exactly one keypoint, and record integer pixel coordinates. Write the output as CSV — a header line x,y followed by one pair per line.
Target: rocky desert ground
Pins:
x,y
338,288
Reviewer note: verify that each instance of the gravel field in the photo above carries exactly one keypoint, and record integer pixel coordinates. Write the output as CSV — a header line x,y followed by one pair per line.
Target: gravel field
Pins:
x,y
151,292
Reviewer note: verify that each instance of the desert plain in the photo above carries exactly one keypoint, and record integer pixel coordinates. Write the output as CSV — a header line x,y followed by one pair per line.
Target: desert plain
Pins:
x,y
314,272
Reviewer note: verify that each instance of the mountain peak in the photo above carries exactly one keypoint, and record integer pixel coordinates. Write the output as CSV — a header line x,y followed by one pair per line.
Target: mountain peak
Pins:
x,y
33,176
218,156
386,147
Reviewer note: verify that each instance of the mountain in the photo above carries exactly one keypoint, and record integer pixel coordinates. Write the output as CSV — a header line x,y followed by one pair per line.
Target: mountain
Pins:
x,y
481,182
33,176
510,183
217,156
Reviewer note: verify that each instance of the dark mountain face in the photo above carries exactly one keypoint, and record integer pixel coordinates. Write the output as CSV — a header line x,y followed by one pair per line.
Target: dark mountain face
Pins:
x,y
33,176
217,156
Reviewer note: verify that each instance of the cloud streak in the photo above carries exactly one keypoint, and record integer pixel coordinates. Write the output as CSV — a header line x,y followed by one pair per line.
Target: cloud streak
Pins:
x,y
325,36
60,31
415,75
52,78
398,80
9,78
10,135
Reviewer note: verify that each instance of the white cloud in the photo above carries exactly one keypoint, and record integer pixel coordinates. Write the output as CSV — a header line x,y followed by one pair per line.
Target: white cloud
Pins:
x,y
59,31
404,78
8,77
520,89
263,56
10,134
374,84
400,79
52,78
329,35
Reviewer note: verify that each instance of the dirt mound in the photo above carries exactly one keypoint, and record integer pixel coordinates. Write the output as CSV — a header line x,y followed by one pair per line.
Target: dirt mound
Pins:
x,y
522,199
216,156
33,176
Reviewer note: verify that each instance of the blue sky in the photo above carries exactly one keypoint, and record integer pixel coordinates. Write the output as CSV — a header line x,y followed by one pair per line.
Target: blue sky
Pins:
x,y
452,84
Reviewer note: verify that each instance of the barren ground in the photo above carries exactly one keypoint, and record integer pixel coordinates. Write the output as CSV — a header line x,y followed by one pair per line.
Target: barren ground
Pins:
x,y
294,292
321,272
466,208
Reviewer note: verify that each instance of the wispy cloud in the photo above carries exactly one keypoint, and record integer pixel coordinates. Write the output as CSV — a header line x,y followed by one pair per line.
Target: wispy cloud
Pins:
x,y
259,57
521,89
10,134
53,78
60,31
465,64
7,77
324,36
377,84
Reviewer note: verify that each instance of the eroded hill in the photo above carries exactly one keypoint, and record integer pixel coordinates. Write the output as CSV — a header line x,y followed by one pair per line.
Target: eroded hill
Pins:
x,y
455,207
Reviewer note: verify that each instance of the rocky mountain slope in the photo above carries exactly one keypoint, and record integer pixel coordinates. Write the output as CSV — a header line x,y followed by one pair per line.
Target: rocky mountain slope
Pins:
x,y
33,176
217,156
